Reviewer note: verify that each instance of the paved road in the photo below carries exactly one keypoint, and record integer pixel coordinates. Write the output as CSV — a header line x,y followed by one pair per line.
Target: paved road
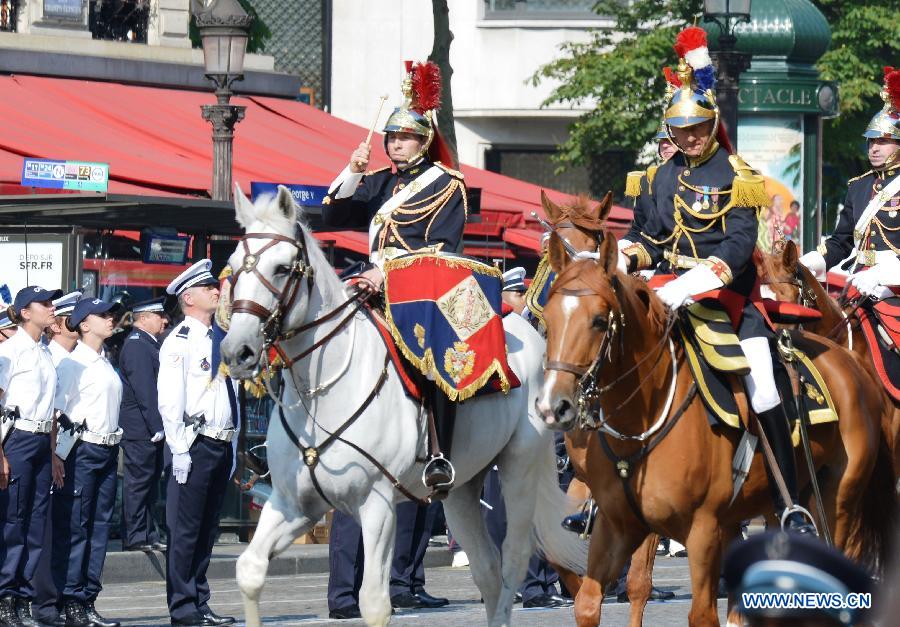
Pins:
x,y
301,600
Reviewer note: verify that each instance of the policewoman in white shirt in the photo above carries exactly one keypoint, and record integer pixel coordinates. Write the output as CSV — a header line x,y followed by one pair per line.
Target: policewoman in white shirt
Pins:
x,y
199,413
88,394
27,384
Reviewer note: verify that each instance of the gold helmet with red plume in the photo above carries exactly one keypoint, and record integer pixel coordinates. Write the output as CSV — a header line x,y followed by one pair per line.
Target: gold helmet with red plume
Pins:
x,y
886,123
418,113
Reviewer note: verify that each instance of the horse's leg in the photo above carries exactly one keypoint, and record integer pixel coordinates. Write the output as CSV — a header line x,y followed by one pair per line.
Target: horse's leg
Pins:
x,y
704,546
518,474
609,550
279,524
639,583
378,520
464,519
579,491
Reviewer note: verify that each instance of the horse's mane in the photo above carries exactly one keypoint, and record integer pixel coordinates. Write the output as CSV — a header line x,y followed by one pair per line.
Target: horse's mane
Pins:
x,y
633,293
269,213
581,213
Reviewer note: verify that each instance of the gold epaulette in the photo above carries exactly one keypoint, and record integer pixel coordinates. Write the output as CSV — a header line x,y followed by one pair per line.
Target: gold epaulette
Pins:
x,y
749,186
371,172
633,184
454,173
856,178
651,174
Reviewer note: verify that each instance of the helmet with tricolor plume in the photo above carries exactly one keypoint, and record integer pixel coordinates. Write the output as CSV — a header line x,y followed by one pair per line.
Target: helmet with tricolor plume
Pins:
x,y
886,123
418,114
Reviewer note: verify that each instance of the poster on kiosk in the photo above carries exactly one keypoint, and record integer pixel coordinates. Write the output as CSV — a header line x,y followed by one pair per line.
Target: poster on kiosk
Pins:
x,y
34,259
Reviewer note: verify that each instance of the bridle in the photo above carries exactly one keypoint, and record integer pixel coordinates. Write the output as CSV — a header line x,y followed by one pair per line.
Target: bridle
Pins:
x,y
284,299
589,390
806,296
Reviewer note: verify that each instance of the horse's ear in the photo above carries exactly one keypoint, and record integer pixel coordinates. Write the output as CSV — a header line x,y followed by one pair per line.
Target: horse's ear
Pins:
x,y
245,214
553,211
789,256
603,207
558,256
609,253
285,201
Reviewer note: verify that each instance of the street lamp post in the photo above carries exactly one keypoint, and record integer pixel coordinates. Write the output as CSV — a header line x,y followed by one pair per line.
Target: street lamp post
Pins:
x,y
224,28
729,62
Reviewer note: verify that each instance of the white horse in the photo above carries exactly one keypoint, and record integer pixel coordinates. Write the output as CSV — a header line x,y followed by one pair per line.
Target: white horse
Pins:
x,y
325,388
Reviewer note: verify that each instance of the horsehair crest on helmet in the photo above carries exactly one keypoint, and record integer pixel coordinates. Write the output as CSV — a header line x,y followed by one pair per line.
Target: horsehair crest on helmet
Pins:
x,y
422,87
886,123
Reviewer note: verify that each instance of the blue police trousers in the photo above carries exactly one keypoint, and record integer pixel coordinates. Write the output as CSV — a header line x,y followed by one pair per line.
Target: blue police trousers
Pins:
x,y
82,512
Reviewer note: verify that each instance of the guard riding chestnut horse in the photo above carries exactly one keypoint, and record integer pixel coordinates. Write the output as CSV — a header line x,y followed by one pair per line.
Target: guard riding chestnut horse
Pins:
x,y
674,475
790,281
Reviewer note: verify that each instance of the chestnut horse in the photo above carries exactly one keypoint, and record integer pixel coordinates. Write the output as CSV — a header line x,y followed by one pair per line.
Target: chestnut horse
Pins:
x,y
790,281
581,226
678,483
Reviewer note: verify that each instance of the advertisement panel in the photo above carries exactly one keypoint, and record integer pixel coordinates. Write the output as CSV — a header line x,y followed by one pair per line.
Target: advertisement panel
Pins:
x,y
39,259
774,146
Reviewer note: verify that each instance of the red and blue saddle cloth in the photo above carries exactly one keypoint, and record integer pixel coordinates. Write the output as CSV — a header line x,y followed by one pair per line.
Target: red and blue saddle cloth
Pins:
x,y
880,324
713,352
443,314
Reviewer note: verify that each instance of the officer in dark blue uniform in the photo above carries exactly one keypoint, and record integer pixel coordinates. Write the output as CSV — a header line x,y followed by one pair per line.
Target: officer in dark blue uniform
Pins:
x,y
407,584
703,226
777,563
139,417
417,205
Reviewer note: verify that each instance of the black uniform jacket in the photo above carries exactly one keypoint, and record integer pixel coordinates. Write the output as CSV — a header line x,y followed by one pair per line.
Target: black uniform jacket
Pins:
x,y
139,366
691,212
883,230
442,227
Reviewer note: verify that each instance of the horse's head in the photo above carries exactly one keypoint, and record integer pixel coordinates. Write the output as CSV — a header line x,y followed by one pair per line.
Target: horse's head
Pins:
x,y
271,278
785,279
582,314
580,224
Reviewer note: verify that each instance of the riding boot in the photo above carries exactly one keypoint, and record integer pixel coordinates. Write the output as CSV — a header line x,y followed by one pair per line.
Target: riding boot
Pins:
x,y
582,523
775,425
439,473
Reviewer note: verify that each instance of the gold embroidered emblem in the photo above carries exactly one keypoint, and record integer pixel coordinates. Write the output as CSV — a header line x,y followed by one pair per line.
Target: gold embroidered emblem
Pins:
x,y
459,361
466,308
419,332
814,394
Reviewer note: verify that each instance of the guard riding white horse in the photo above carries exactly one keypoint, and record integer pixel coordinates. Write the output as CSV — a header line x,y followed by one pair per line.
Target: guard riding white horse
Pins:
x,y
283,284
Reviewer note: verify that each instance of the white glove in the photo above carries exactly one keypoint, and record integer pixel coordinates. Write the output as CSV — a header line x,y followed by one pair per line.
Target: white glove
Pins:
x,y
622,244
181,466
815,262
158,436
695,281
869,283
622,265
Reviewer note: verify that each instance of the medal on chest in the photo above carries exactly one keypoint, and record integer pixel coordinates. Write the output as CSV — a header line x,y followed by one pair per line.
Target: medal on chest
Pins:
x,y
204,365
704,198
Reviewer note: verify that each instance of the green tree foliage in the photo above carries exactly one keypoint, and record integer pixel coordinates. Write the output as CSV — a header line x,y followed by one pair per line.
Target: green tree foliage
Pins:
x,y
259,32
619,72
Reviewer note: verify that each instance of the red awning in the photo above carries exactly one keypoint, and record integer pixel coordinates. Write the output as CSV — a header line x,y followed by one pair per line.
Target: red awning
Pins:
x,y
133,273
355,241
529,239
156,142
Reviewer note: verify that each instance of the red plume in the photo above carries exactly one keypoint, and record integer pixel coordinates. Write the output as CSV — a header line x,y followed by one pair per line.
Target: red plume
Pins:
x,y
892,86
671,77
408,65
426,84
689,39
722,138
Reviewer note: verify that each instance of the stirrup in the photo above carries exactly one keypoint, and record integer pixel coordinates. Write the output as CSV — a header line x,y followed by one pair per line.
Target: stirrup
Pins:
x,y
439,463
800,510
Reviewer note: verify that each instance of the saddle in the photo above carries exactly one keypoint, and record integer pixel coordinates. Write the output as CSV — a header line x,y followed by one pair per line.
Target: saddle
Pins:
x,y
880,323
716,360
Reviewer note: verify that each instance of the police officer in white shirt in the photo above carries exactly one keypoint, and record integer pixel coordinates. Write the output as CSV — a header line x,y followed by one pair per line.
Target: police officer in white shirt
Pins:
x,y
7,328
61,341
88,395
197,406
27,385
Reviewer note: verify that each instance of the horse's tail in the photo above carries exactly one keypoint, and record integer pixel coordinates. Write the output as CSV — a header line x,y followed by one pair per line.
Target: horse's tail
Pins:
x,y
561,547
871,533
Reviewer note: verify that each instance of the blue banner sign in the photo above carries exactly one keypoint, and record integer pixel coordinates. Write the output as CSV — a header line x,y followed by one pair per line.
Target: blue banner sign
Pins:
x,y
78,175
304,195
